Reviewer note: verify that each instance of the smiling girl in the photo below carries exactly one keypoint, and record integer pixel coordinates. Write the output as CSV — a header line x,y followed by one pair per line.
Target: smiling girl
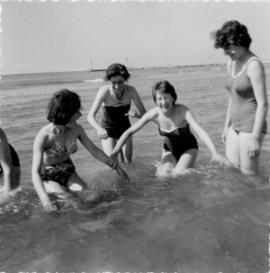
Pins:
x,y
116,98
180,147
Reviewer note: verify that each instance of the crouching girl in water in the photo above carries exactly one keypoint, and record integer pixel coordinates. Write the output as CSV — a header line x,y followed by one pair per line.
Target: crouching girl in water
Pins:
x,y
180,146
52,169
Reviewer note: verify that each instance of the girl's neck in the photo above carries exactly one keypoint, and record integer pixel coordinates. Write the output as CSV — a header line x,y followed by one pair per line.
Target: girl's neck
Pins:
x,y
58,129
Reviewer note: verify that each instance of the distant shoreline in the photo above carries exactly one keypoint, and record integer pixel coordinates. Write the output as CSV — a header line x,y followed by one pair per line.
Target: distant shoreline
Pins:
x,y
129,68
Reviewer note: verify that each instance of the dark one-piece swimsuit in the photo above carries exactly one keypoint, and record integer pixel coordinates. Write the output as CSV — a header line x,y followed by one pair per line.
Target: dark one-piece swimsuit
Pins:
x,y
178,141
115,120
14,158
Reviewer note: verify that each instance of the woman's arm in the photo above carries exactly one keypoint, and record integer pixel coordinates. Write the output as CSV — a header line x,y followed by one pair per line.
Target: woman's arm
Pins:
x,y
138,103
257,78
99,154
149,116
201,133
92,148
93,111
38,149
5,161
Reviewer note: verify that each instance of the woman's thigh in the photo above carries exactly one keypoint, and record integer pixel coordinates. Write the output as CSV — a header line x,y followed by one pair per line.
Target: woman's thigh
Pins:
x,y
56,189
75,183
232,148
248,165
186,161
108,145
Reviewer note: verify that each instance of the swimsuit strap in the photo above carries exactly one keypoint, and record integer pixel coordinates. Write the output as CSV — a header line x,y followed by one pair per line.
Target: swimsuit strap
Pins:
x,y
243,67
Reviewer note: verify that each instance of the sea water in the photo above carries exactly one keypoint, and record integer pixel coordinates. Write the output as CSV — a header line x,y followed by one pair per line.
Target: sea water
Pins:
x,y
211,220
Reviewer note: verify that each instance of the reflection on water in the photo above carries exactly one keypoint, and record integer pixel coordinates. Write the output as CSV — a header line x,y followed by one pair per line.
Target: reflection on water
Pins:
x,y
212,220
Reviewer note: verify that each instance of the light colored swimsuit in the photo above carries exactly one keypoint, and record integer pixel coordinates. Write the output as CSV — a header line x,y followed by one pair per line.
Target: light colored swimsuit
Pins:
x,y
243,101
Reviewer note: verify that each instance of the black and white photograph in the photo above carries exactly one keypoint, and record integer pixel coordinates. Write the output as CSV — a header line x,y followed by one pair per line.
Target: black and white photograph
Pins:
x,y
134,136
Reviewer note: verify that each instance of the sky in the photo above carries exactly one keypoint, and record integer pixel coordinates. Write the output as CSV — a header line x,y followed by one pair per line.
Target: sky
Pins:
x,y
58,36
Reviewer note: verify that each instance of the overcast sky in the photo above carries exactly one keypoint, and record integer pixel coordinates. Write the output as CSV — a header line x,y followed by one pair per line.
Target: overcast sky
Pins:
x,y
65,36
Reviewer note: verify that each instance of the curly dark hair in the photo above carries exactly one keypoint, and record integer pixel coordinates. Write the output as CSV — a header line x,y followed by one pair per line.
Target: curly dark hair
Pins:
x,y
163,87
232,33
62,106
115,70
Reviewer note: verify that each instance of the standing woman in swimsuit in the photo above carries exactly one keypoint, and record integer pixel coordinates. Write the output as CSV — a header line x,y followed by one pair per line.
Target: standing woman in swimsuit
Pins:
x,y
9,167
245,124
180,147
115,97
53,170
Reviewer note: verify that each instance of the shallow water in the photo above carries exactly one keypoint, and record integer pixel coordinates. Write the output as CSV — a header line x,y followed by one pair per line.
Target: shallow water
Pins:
x,y
212,220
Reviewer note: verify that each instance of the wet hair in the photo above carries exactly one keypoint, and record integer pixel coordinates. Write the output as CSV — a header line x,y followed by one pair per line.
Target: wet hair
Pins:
x,y
115,70
232,33
163,87
62,106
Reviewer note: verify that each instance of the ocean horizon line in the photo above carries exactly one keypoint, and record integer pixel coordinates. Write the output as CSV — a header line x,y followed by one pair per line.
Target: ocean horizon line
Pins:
x,y
103,69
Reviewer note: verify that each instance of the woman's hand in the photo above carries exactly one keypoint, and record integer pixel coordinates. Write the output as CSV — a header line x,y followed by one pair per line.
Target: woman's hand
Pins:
x,y
112,161
133,114
224,134
222,160
102,133
50,207
254,146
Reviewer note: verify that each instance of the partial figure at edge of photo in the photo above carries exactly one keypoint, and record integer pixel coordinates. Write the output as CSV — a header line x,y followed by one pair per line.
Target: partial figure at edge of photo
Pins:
x,y
174,120
53,171
245,124
115,99
10,170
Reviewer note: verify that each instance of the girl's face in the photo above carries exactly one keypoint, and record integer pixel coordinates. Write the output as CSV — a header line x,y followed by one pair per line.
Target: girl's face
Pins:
x,y
75,117
117,83
164,101
234,52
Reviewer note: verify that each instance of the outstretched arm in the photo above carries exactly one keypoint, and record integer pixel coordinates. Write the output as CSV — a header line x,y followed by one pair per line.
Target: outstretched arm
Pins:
x,y
149,116
99,154
201,133
92,148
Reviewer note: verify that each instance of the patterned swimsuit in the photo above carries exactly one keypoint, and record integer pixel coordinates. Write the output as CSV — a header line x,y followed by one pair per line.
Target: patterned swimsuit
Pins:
x,y
59,172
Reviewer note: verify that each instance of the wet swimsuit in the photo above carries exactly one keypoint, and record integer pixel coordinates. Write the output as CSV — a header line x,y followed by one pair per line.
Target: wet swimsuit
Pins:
x,y
115,120
179,141
243,101
59,172
14,158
